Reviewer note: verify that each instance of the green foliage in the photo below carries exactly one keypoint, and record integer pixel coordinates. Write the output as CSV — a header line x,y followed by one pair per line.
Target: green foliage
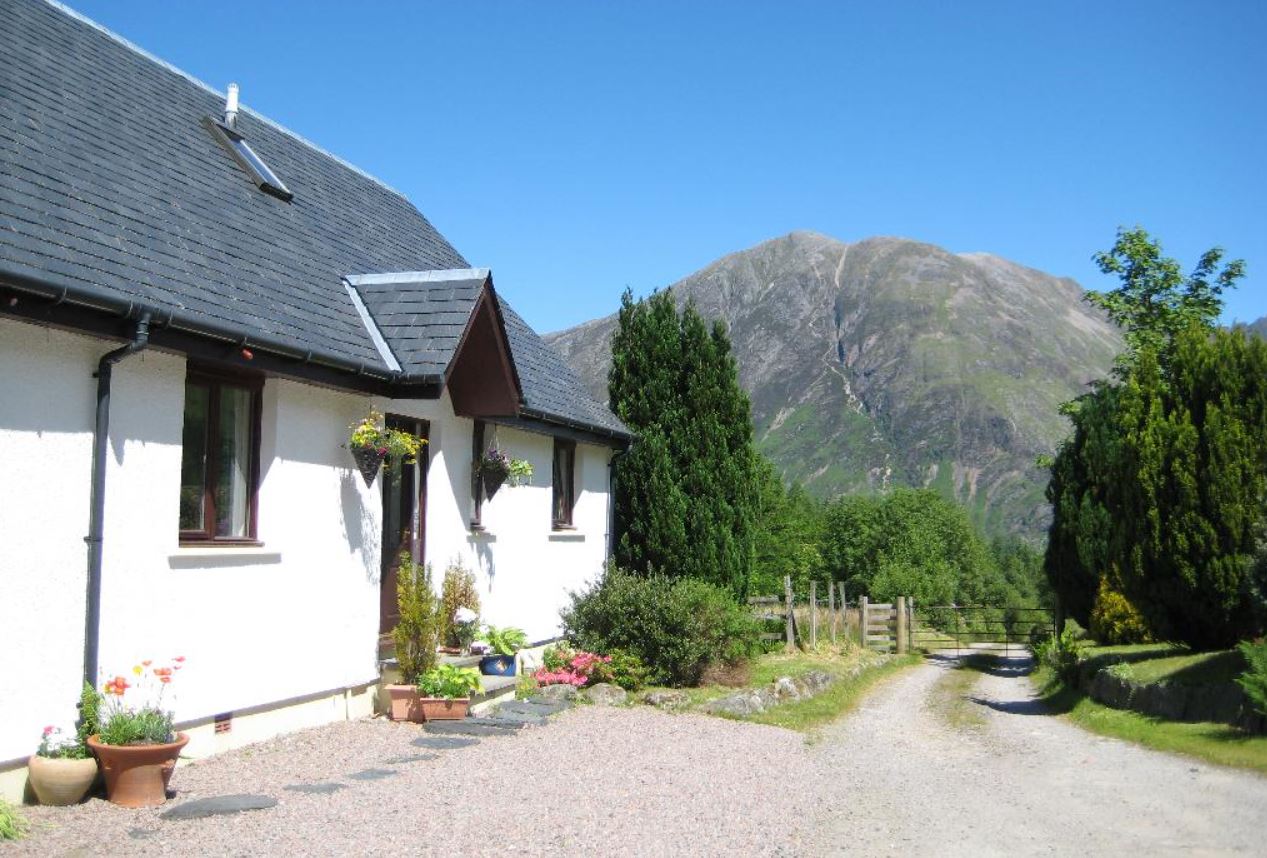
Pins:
x,y
457,591
145,726
677,627
417,633
13,825
1164,478
505,641
1254,679
1114,620
687,491
1059,654
449,682
913,542
90,702
625,669
1155,302
788,535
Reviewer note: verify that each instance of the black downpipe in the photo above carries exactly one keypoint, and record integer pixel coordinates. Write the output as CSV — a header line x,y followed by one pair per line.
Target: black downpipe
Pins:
x,y
97,508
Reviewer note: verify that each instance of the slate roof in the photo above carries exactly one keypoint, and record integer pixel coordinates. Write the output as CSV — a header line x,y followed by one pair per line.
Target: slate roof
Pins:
x,y
110,186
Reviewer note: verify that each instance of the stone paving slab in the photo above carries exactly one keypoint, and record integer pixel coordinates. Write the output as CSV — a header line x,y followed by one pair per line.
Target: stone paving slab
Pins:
x,y
316,789
470,727
522,718
219,805
535,706
443,743
411,758
373,774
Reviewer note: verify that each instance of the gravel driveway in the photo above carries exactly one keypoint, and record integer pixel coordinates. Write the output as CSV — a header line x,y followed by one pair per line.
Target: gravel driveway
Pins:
x,y
892,778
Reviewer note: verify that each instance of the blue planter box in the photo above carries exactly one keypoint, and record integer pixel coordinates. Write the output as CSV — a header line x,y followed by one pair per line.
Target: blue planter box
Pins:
x,y
497,665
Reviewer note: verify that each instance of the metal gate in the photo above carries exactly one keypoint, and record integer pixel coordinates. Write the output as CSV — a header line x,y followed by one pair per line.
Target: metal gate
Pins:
x,y
980,628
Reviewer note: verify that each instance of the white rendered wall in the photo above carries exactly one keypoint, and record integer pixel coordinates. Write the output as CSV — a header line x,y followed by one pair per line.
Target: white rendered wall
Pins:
x,y
524,569
47,395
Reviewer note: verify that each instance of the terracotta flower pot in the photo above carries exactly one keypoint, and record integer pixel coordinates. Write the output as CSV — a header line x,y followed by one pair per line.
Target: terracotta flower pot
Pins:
x,y
137,775
368,461
60,781
404,700
444,708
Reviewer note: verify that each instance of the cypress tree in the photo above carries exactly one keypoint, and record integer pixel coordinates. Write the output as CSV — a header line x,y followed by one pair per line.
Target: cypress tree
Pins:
x,y
687,492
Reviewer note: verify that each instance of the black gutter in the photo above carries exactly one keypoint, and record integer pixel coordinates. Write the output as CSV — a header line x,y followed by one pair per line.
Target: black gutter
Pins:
x,y
97,508
604,431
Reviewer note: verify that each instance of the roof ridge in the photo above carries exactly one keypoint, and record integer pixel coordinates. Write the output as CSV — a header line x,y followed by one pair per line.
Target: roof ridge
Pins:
x,y
137,49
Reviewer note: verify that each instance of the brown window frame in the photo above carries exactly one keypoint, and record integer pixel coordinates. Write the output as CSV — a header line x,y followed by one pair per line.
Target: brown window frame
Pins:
x,y
557,522
477,477
214,379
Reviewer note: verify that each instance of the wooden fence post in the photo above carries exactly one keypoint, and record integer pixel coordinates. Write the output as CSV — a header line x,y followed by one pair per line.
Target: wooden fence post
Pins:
x,y
788,603
813,613
831,607
862,620
910,624
901,641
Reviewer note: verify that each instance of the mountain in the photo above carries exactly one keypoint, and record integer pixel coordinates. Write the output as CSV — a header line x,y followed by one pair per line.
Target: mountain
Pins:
x,y
889,361
1258,328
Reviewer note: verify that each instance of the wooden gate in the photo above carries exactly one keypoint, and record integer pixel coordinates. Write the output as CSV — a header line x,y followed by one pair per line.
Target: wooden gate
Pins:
x,y
884,626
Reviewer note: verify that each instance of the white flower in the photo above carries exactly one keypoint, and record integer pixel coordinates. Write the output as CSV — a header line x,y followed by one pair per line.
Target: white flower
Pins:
x,y
465,615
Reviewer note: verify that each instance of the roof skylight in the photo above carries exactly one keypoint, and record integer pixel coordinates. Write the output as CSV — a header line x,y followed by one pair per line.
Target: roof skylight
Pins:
x,y
235,144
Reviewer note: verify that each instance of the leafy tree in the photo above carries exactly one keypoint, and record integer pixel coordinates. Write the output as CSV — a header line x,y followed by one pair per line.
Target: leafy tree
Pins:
x,y
687,492
788,537
1159,492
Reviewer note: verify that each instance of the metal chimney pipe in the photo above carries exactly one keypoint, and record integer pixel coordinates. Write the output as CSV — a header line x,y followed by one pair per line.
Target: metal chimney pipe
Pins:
x,y
231,106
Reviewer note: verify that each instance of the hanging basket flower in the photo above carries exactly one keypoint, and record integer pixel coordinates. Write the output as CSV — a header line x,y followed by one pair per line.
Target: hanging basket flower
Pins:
x,y
498,469
372,445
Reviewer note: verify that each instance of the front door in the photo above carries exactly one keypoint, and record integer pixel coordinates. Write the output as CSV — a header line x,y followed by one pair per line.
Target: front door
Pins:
x,y
404,514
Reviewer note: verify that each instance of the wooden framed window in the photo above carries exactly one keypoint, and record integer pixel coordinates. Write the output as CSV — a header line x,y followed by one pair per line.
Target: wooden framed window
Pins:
x,y
220,457
477,478
564,484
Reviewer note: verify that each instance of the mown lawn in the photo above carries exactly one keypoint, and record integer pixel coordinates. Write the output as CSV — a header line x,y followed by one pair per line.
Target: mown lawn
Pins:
x,y
1221,744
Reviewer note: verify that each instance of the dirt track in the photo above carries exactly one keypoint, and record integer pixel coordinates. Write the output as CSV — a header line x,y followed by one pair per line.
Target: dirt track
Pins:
x,y
1024,783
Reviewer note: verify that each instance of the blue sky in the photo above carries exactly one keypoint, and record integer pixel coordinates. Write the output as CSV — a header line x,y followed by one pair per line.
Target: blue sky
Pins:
x,y
579,148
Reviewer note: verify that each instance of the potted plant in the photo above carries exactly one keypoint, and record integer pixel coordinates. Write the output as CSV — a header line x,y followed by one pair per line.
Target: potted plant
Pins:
x,y
61,770
497,469
460,608
416,634
505,642
445,692
371,443
135,744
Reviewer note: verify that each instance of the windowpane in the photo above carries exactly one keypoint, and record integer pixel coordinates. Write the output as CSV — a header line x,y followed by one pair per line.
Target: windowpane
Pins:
x,y
563,481
233,480
193,460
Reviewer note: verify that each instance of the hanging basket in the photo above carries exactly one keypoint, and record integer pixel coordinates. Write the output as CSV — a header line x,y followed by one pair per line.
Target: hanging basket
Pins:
x,y
494,478
369,460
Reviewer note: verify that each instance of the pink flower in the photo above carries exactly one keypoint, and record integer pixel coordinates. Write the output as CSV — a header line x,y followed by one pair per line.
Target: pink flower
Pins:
x,y
48,730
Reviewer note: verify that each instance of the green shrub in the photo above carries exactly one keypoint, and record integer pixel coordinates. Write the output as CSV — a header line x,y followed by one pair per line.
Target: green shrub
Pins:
x,y
1060,654
417,632
457,591
1114,620
89,722
449,682
625,669
1254,679
676,627
13,825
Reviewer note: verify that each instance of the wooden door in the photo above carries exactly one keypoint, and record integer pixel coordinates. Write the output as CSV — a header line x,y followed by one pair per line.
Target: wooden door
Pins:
x,y
404,518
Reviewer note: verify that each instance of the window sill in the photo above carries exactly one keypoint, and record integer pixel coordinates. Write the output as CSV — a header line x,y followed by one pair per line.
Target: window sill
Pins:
x,y
566,534
479,533
193,555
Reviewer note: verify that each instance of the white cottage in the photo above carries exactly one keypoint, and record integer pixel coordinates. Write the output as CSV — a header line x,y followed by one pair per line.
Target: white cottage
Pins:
x,y
195,305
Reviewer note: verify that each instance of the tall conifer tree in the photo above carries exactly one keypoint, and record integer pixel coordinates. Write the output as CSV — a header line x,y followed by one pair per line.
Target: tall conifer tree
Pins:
x,y
686,493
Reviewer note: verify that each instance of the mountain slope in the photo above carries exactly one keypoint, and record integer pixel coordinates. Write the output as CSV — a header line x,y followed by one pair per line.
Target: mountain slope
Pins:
x,y
890,362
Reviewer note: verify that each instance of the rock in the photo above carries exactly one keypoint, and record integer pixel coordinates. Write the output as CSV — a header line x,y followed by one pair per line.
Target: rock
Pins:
x,y
220,805
557,692
741,703
666,699
605,694
785,689
816,681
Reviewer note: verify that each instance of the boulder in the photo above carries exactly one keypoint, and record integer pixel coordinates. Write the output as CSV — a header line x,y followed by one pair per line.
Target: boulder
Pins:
x,y
666,699
605,694
741,704
557,692
784,689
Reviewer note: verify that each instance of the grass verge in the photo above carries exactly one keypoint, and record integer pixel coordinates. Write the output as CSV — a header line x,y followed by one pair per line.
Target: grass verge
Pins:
x,y
950,695
1220,744
13,825
834,701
